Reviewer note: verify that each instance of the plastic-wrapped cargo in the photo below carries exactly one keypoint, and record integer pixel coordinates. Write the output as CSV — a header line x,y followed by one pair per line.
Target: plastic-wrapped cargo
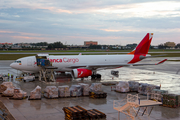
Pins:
x,y
19,94
96,87
142,88
150,88
6,85
76,90
63,91
9,92
157,94
35,94
133,86
122,86
51,92
85,88
145,88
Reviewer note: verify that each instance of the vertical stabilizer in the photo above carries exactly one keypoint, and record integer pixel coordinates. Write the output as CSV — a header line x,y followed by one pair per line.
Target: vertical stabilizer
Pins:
x,y
143,46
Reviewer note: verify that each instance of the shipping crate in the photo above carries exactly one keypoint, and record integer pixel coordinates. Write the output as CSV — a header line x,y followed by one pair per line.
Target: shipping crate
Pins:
x,y
171,100
63,91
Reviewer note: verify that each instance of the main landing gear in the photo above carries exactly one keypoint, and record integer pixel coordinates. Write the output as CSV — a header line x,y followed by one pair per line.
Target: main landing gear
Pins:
x,y
96,77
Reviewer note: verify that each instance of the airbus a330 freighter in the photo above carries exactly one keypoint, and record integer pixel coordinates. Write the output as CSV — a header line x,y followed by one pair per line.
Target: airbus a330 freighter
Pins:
x,y
87,65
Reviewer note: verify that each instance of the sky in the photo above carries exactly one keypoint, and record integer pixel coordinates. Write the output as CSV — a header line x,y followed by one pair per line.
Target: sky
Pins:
x,y
110,22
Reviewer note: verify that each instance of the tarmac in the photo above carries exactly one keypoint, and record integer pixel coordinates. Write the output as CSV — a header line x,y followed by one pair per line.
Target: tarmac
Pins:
x,y
166,75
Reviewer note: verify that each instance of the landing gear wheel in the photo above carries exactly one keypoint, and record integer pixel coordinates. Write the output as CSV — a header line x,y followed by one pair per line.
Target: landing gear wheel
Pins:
x,y
96,77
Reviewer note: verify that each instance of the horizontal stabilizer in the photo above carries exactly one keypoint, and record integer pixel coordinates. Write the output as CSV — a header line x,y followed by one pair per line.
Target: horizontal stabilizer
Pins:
x,y
161,62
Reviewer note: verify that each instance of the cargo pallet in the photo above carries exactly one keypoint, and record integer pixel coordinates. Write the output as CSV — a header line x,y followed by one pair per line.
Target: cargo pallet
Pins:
x,y
121,92
65,97
75,113
6,95
170,106
79,113
97,94
33,98
18,98
51,97
95,114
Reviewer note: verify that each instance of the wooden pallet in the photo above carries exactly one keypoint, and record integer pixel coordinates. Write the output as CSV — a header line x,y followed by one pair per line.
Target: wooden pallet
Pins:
x,y
75,112
79,113
96,114
33,99
97,94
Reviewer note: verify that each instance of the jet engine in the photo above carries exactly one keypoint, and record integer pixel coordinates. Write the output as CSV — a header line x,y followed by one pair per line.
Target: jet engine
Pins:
x,y
81,73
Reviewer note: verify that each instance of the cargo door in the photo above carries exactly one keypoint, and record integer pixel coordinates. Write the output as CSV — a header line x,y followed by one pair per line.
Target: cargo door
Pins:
x,y
29,62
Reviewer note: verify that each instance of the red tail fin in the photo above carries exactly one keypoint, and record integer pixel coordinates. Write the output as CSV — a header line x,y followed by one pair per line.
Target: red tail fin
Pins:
x,y
143,46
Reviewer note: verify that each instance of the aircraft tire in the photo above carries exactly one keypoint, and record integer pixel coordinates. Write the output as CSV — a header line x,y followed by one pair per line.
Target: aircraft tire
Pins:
x,y
96,76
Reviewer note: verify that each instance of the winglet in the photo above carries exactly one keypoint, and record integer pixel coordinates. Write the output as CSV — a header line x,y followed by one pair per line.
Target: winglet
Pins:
x,y
161,62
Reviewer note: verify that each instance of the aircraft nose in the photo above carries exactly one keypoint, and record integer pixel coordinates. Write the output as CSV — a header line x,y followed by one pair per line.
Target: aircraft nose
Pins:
x,y
13,65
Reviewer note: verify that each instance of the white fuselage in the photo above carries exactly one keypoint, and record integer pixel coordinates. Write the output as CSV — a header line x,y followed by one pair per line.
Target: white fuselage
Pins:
x,y
63,63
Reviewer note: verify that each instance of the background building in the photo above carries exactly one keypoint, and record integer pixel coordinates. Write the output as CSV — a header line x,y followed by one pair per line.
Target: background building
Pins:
x,y
170,44
88,43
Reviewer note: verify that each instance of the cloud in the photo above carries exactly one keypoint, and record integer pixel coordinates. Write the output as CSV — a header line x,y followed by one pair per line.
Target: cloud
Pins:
x,y
106,21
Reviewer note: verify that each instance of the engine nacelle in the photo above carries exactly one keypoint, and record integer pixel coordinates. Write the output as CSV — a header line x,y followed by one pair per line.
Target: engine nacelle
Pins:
x,y
80,73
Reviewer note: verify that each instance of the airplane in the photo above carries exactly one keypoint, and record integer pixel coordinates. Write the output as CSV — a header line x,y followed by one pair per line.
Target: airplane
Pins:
x,y
82,66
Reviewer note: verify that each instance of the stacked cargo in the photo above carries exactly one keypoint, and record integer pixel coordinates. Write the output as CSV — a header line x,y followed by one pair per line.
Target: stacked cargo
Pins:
x,y
79,113
142,88
85,89
122,86
96,91
76,91
19,94
6,85
145,88
96,87
151,87
43,62
51,92
75,113
63,91
35,94
171,100
9,92
133,86
157,94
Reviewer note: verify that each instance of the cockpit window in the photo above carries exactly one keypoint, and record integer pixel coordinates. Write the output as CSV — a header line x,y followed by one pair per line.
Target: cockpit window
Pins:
x,y
17,61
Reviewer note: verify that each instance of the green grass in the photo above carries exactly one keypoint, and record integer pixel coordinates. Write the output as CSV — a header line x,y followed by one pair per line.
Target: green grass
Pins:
x,y
174,60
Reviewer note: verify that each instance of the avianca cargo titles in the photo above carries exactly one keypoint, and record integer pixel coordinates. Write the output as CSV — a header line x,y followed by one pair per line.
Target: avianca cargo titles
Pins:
x,y
64,60
87,65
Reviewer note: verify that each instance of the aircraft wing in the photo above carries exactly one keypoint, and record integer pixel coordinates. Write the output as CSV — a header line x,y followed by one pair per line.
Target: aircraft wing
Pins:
x,y
109,66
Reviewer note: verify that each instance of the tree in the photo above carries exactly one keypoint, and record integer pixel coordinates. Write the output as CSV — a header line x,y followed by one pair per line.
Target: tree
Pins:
x,y
161,46
95,46
50,46
56,45
42,44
